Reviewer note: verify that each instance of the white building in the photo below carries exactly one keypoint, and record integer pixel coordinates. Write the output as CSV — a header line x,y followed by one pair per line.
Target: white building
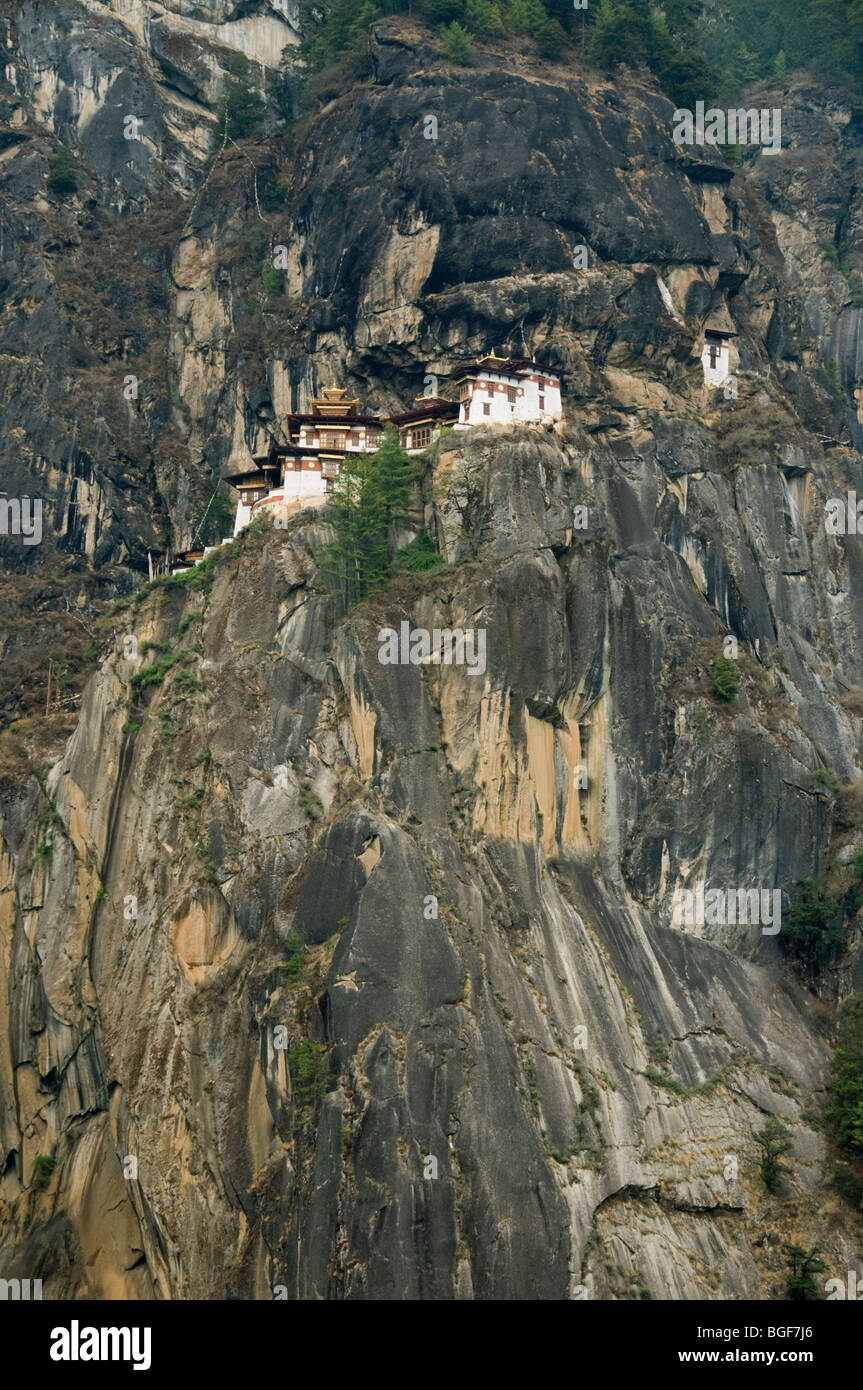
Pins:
x,y
719,355
506,391
494,390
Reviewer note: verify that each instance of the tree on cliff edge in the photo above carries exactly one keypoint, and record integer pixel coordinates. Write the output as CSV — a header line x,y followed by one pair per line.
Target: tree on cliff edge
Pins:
x,y
368,500
242,109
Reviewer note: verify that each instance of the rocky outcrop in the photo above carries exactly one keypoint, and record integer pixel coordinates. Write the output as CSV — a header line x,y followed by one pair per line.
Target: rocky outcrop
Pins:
x,y
490,977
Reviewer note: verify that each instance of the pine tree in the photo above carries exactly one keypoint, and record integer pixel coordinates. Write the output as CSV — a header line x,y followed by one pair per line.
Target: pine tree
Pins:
x,y
803,1264
355,563
726,681
517,17
456,46
63,178
845,1110
551,39
368,500
392,474
483,17
242,108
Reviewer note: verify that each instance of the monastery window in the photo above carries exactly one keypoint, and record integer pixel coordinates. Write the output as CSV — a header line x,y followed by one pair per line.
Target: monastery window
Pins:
x,y
714,353
422,437
511,394
542,402
490,389
486,409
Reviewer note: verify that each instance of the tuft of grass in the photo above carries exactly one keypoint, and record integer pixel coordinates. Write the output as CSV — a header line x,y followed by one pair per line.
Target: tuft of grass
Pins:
x,y
668,1083
188,618
198,578
211,869
152,675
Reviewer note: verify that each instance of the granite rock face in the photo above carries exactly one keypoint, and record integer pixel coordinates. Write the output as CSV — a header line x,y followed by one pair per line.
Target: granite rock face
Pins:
x,y
354,980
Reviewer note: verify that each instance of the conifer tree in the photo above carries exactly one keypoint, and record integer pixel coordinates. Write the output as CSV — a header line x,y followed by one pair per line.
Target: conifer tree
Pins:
x,y
456,46
63,178
242,108
369,498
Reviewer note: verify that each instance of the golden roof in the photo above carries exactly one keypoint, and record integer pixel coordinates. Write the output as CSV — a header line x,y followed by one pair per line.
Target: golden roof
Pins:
x,y
334,400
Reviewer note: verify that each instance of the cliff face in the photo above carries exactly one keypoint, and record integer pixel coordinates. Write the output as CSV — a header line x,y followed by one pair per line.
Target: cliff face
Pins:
x,y
480,867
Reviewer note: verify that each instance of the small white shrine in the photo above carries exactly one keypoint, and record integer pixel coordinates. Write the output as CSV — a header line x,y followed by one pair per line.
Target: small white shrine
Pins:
x,y
719,355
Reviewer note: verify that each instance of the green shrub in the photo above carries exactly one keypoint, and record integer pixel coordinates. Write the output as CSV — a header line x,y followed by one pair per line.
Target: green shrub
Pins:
x,y
44,851
152,675
211,870
848,1184
824,777
273,282
43,1167
813,933
199,577
309,1067
189,618
293,961
668,1083
419,555
187,680
845,1090
274,195
726,681
309,801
